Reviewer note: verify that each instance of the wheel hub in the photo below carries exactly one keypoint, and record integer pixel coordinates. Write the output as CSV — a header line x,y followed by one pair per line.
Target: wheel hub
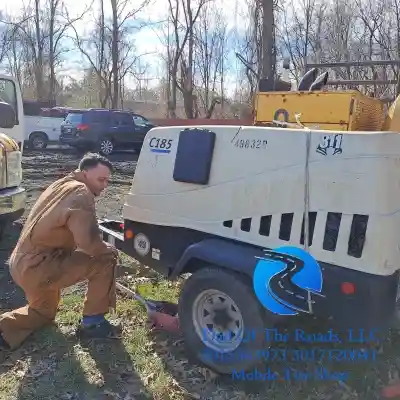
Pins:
x,y
222,318
217,321
106,146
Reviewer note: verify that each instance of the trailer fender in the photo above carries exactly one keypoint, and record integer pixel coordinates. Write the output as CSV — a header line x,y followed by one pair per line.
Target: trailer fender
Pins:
x,y
231,255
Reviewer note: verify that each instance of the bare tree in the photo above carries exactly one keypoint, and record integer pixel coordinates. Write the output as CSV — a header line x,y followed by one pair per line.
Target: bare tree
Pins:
x,y
250,47
5,39
297,32
268,42
39,33
110,49
340,30
183,53
210,51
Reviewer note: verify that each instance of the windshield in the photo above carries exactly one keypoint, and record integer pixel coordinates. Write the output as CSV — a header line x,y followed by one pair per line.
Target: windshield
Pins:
x,y
8,93
73,118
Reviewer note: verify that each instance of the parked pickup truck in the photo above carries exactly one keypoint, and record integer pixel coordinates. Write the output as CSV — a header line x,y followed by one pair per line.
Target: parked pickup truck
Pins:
x,y
12,194
104,130
10,93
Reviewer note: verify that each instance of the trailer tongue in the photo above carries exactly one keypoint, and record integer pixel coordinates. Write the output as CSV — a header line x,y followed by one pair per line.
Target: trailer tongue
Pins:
x,y
162,314
112,232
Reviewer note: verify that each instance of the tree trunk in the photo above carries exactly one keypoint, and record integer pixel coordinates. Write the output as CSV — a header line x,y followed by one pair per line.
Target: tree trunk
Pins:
x,y
39,60
114,51
174,85
268,63
52,84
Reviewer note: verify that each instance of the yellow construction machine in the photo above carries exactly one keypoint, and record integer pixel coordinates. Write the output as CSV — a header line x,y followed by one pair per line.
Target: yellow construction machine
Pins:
x,y
346,110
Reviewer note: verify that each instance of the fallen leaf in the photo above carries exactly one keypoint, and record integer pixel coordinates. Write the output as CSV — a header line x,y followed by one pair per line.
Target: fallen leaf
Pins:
x,y
20,373
147,378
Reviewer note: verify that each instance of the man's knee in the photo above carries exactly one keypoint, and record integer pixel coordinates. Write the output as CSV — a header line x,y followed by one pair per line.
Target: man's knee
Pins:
x,y
17,325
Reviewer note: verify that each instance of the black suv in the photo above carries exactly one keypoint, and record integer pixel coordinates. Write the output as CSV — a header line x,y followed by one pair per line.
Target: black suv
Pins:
x,y
104,130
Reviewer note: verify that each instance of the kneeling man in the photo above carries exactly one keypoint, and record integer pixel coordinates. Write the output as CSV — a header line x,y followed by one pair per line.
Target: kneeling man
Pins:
x,y
59,246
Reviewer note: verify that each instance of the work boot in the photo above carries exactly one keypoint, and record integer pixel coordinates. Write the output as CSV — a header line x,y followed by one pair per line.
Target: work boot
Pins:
x,y
102,330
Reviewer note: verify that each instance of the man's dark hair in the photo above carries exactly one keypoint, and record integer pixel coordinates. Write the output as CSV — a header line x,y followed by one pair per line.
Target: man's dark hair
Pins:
x,y
92,160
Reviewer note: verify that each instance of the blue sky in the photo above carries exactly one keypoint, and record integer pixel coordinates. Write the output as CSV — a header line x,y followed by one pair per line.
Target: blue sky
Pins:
x,y
147,39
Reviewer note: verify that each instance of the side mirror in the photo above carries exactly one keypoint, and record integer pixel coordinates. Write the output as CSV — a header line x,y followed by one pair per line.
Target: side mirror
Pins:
x,y
7,116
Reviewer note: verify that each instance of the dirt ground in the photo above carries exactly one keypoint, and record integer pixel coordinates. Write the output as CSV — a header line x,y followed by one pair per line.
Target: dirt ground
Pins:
x,y
53,366
43,168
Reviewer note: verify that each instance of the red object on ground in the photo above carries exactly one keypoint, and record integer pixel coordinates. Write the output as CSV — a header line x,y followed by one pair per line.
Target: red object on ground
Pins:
x,y
165,322
391,391
162,314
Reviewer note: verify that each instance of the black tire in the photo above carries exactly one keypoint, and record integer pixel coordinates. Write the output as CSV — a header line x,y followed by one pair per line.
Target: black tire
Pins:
x,y
38,141
106,146
238,288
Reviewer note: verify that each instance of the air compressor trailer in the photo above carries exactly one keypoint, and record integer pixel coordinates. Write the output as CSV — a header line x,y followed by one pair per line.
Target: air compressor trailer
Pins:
x,y
270,224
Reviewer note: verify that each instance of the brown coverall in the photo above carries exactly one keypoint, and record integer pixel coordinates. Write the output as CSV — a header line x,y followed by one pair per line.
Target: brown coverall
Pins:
x,y
59,246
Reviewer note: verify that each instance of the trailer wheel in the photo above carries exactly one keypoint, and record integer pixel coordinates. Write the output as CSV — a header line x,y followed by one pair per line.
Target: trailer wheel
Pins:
x,y
38,140
215,300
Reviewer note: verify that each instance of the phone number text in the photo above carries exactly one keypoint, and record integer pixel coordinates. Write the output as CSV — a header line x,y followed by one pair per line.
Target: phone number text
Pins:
x,y
297,355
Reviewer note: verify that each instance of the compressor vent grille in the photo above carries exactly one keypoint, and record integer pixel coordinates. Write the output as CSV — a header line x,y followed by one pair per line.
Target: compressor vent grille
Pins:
x,y
356,239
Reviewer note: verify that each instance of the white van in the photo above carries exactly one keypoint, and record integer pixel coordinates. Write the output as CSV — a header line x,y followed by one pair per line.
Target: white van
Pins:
x,y
10,93
227,204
